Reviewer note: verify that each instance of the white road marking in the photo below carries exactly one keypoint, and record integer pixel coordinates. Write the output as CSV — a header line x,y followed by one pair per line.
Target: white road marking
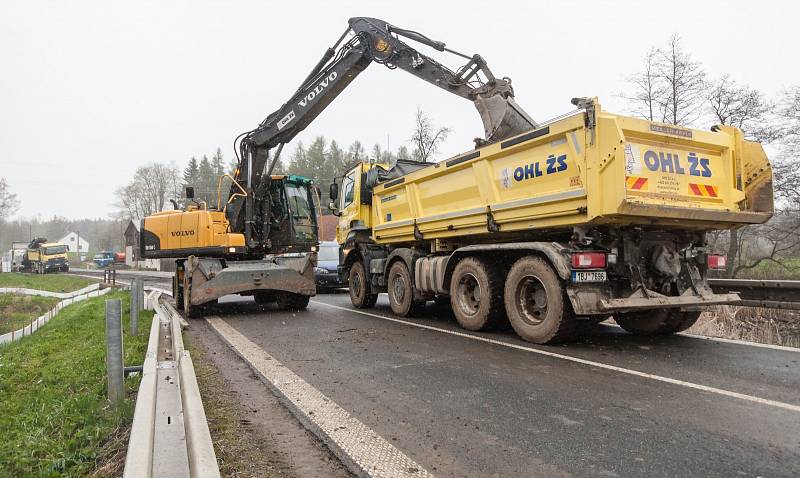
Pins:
x,y
659,378
353,442
782,348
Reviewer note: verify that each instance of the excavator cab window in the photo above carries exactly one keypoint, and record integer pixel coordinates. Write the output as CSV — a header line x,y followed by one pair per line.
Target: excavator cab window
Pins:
x,y
293,224
300,205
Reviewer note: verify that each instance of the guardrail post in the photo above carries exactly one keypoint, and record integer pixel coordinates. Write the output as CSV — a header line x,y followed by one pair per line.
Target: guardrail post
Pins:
x,y
140,291
114,365
134,307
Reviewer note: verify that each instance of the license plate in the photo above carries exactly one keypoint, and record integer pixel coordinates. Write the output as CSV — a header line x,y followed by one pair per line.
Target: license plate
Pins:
x,y
588,276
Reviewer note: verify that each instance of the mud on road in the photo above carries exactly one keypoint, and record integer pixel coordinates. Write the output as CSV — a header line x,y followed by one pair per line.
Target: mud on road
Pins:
x,y
254,435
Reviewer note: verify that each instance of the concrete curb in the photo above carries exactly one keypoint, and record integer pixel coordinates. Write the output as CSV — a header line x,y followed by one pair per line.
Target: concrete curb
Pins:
x,y
47,293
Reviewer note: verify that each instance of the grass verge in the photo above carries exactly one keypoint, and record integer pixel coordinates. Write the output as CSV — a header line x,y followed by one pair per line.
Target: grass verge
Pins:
x,y
766,326
50,282
55,418
17,311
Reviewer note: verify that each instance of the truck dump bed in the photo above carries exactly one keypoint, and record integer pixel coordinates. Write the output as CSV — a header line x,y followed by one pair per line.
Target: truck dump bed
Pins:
x,y
591,167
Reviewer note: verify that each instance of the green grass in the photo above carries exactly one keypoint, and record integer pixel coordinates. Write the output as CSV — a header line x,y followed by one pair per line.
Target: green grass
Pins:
x,y
54,416
51,282
17,311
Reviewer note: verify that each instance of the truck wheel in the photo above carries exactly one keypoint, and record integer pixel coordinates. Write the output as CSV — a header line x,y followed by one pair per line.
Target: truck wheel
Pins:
x,y
264,297
360,292
178,290
191,311
291,301
476,295
536,304
657,322
401,292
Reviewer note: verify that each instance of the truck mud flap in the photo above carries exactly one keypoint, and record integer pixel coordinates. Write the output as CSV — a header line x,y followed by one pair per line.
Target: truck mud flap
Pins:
x,y
290,274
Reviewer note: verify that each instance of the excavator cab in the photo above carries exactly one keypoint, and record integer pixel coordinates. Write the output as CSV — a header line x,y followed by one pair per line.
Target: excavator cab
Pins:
x,y
293,214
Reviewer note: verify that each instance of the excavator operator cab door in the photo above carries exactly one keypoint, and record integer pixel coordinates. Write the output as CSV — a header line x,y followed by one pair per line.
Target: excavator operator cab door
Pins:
x,y
292,215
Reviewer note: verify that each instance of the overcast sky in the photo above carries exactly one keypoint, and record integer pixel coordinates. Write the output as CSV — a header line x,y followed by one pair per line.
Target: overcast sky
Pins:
x,y
89,91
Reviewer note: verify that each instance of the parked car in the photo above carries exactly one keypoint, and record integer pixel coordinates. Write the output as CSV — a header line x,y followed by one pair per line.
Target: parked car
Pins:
x,y
103,259
327,276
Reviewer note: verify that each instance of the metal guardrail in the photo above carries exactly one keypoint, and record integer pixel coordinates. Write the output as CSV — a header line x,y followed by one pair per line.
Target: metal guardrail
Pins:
x,y
169,435
775,294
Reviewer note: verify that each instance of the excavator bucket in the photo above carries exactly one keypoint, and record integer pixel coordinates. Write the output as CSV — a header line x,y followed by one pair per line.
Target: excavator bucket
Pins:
x,y
502,117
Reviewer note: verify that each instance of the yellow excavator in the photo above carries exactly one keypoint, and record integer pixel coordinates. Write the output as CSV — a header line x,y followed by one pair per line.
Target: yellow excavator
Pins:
x,y
261,240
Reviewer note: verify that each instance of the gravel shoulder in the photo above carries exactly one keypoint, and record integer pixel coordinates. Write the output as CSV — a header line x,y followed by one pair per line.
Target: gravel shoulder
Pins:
x,y
254,435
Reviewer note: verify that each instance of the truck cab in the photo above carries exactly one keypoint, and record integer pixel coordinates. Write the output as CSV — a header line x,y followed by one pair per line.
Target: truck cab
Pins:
x,y
43,257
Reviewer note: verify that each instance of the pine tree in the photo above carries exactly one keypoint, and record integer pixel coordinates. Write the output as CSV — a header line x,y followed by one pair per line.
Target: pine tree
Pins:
x,y
207,185
298,160
337,160
356,152
191,173
218,163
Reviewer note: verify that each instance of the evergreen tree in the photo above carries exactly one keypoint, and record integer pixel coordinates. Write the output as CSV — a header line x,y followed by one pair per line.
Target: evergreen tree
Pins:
x,y
317,167
337,159
298,160
206,188
191,173
218,163
356,152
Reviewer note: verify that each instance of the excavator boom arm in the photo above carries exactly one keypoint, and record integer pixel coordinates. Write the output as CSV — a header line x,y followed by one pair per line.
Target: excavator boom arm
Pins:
x,y
371,40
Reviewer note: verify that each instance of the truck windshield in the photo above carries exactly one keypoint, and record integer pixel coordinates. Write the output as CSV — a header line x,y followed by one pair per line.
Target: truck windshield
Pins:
x,y
55,250
302,210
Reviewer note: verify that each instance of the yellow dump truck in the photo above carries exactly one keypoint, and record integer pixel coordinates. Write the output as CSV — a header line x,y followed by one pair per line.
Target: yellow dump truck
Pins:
x,y
589,216
42,257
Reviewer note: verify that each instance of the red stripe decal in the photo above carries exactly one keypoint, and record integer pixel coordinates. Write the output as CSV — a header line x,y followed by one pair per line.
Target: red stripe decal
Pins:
x,y
639,183
695,189
711,191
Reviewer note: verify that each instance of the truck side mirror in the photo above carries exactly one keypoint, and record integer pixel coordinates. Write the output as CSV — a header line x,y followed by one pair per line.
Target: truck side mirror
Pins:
x,y
334,191
189,192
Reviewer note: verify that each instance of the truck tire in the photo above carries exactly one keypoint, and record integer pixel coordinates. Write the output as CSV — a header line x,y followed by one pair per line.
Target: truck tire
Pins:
x,y
291,301
401,292
190,310
476,295
360,292
264,297
536,303
657,322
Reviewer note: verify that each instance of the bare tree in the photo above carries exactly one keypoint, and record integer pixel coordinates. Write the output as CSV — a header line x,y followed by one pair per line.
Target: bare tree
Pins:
x,y
787,167
647,88
745,108
149,190
8,201
684,84
773,242
426,137
671,86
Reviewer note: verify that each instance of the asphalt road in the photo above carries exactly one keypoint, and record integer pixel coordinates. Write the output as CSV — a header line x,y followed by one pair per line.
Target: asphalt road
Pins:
x,y
463,407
